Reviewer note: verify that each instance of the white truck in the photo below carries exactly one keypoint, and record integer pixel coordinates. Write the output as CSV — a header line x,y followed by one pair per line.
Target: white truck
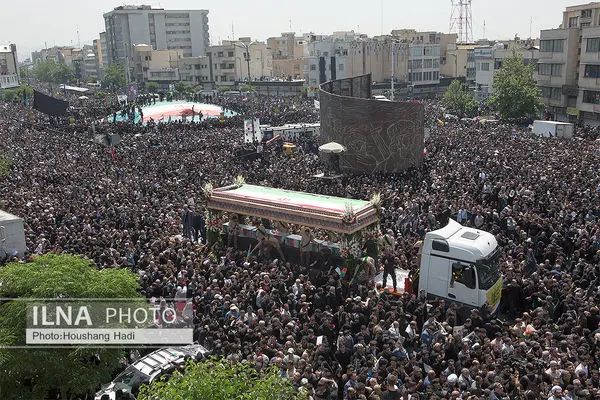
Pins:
x,y
158,364
462,265
12,236
552,129
459,264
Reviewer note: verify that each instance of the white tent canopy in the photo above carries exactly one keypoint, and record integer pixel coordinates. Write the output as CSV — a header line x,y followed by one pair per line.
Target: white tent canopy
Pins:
x,y
74,89
332,147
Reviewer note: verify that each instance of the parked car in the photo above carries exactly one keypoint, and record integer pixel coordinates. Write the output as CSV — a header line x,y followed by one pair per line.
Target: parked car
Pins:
x,y
162,362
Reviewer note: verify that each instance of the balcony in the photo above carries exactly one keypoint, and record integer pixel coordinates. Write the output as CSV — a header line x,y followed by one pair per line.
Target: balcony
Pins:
x,y
9,81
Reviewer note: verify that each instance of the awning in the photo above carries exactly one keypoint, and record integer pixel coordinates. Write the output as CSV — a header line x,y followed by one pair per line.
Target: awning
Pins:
x,y
332,147
74,89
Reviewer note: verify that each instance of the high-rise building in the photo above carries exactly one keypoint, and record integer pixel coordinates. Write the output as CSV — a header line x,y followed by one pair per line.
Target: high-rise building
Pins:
x,y
181,30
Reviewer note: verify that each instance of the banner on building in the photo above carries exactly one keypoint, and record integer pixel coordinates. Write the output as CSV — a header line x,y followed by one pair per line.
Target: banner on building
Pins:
x,y
49,105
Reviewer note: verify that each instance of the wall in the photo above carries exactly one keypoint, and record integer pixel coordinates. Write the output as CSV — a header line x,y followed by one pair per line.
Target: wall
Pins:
x,y
381,136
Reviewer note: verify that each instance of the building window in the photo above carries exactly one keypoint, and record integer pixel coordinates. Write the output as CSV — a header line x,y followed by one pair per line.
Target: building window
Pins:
x,y
436,63
592,45
341,67
417,51
550,69
485,66
591,97
586,13
417,64
498,63
585,24
230,54
592,71
551,92
220,54
428,63
573,22
552,46
436,75
313,67
230,66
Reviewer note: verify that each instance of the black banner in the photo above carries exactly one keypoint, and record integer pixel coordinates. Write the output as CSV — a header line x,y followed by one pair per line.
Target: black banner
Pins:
x,y
49,105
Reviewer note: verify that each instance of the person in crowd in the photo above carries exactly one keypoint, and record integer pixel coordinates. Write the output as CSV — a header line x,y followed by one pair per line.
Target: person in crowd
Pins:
x,y
540,197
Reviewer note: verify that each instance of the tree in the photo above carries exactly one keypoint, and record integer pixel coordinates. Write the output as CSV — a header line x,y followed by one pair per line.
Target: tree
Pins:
x,y
34,373
459,101
63,74
220,379
45,71
114,76
515,95
181,87
152,87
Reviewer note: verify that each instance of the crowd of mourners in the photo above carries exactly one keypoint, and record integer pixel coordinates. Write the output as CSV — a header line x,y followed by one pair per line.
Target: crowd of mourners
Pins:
x,y
540,197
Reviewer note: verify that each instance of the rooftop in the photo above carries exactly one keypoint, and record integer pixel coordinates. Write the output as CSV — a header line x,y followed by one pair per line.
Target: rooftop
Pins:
x,y
594,4
5,48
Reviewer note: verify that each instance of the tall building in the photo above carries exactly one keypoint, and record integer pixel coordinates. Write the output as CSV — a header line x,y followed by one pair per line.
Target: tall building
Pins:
x,y
569,66
181,30
9,67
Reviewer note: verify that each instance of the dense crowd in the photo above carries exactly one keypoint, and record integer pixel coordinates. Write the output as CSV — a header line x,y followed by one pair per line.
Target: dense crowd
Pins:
x,y
540,197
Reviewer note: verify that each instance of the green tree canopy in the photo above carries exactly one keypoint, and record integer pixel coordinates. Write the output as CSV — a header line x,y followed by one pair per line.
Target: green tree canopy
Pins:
x,y
50,72
515,94
63,74
34,373
114,76
181,87
459,100
45,71
220,379
151,87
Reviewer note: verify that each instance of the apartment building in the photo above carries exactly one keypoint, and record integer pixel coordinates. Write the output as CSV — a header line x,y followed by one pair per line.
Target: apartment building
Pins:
x,y
9,67
288,55
460,62
182,30
347,54
160,66
424,64
194,70
569,66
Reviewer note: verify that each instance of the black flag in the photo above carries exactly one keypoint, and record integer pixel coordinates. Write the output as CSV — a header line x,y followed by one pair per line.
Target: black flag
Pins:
x,y
49,105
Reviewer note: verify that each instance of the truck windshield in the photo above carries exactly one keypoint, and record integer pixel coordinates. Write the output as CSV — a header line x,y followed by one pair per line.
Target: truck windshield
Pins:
x,y
131,378
488,270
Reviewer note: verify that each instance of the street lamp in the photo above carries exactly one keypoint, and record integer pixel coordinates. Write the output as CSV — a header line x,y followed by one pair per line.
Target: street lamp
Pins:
x,y
246,47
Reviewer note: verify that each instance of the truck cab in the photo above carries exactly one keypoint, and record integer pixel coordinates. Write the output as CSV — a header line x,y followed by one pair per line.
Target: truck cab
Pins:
x,y
462,265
